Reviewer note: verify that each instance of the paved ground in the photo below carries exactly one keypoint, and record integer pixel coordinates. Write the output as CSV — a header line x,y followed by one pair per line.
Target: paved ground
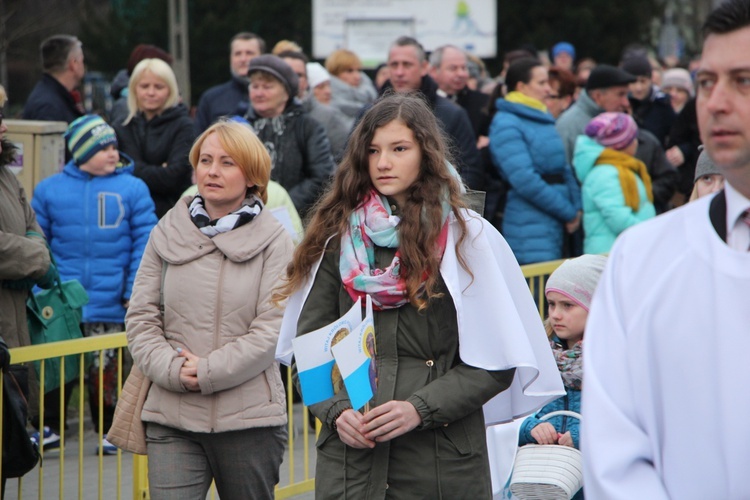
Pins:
x,y
48,476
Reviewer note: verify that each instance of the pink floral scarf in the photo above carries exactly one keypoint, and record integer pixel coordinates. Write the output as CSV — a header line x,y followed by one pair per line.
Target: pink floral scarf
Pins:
x,y
372,225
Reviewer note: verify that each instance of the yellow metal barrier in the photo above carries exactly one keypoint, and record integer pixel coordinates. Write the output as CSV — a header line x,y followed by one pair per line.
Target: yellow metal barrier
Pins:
x,y
536,276
139,471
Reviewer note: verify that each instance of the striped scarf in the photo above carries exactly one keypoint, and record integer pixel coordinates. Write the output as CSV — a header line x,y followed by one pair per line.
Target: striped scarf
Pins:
x,y
250,208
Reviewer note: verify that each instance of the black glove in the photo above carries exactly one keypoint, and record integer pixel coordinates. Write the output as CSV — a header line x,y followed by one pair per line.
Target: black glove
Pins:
x,y
26,284
4,356
49,278
23,284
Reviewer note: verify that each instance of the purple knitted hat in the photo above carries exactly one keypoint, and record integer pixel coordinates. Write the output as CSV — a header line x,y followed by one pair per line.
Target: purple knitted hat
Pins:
x,y
612,130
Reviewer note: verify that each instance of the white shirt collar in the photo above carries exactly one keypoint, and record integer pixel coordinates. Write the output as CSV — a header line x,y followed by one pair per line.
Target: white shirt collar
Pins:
x,y
738,236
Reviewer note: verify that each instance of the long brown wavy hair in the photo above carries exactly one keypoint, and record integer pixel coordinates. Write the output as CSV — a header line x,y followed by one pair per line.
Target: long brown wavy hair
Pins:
x,y
421,216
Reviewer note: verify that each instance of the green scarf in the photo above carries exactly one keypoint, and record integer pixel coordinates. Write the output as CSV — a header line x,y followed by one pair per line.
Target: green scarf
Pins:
x,y
520,98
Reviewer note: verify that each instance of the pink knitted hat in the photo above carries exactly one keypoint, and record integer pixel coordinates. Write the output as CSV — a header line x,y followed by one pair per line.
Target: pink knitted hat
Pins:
x,y
612,130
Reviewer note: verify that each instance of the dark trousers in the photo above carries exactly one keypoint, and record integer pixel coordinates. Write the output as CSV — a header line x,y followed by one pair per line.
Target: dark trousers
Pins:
x,y
52,409
244,464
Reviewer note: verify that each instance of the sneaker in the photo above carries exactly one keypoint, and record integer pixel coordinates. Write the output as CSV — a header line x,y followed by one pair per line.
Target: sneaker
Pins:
x,y
107,447
51,439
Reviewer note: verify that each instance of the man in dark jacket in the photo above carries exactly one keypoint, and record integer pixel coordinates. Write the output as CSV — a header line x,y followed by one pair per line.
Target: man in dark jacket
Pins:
x,y
606,90
230,98
449,69
54,97
408,65
651,107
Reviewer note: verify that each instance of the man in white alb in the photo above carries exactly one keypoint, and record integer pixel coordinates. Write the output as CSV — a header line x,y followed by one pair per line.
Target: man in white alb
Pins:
x,y
666,400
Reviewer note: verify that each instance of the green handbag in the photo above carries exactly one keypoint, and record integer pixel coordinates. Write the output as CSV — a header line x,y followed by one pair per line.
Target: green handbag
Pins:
x,y
55,315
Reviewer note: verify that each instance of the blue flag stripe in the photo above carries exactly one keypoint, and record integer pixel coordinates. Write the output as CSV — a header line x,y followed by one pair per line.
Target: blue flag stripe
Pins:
x,y
358,385
316,383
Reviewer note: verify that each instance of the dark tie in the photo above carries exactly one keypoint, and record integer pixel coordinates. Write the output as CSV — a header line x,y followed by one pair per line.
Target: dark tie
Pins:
x,y
746,219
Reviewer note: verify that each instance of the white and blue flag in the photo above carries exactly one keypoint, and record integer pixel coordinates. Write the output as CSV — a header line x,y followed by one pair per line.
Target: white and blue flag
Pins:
x,y
355,358
314,357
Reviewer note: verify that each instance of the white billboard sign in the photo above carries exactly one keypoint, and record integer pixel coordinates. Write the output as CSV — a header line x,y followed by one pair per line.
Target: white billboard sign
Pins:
x,y
368,27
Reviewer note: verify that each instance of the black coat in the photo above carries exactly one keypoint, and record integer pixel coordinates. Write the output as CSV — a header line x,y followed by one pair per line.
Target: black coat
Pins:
x,y
228,99
686,136
664,177
475,103
301,159
655,114
160,148
50,101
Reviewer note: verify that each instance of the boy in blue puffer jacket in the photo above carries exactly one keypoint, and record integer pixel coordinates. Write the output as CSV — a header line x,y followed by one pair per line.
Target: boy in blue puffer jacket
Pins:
x,y
97,218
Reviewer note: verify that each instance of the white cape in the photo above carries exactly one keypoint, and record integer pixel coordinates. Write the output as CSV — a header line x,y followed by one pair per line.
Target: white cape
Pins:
x,y
498,323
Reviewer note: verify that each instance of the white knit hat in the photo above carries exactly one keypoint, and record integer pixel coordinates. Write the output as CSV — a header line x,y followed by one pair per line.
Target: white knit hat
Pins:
x,y
316,74
577,278
680,78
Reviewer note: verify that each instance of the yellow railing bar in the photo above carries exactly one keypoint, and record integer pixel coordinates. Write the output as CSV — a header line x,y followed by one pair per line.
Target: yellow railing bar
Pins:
x,y
541,268
2,388
41,431
67,347
100,419
61,424
290,418
80,424
119,394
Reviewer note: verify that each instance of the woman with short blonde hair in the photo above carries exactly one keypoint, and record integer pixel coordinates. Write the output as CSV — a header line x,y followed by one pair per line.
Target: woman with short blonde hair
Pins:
x,y
157,133
245,148
160,70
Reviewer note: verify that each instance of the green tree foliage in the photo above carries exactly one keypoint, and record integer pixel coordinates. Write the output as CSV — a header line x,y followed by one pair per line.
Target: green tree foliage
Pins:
x,y
109,38
597,28
211,25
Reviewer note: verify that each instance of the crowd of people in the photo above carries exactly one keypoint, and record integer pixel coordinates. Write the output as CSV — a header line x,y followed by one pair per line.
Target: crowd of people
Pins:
x,y
218,235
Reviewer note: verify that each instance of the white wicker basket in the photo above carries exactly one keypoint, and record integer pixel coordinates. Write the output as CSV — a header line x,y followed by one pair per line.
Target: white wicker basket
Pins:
x,y
547,472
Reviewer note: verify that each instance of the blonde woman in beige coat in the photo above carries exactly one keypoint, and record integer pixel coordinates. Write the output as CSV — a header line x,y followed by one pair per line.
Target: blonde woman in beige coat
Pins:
x,y
216,408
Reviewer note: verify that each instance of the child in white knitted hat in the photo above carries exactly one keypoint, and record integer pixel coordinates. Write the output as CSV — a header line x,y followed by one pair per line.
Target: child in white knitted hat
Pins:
x,y
569,291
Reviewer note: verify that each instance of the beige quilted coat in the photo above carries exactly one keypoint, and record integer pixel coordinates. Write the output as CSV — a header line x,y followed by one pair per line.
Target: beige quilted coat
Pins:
x,y
216,305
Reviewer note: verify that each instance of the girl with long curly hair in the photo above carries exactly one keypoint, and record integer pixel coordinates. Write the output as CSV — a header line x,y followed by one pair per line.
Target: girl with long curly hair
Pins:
x,y
455,325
